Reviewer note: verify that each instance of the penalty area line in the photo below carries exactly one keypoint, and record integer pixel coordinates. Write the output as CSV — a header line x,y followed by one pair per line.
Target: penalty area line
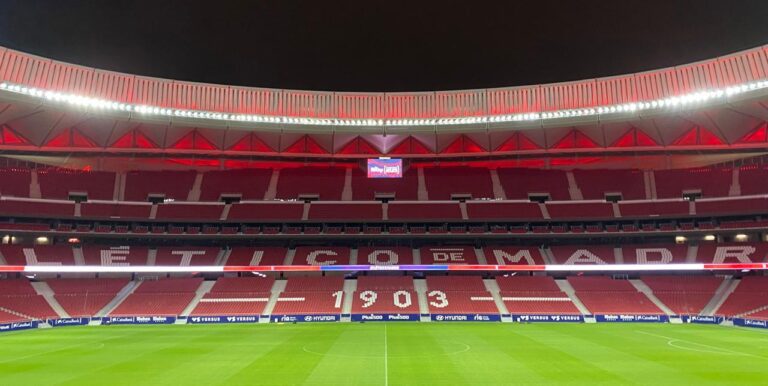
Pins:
x,y
719,350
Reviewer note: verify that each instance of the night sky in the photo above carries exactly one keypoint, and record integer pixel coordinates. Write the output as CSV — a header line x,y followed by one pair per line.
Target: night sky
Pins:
x,y
381,45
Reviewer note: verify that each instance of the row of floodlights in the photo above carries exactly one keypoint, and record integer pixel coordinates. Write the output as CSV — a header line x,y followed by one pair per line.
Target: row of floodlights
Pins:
x,y
103,104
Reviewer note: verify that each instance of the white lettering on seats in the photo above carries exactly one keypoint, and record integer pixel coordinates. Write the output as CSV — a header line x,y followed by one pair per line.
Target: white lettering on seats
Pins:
x,y
186,256
391,257
115,256
583,256
441,301
444,255
664,255
312,257
738,252
502,257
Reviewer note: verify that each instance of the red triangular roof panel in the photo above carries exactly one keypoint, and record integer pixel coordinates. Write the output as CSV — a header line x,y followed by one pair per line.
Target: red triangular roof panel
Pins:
x,y
358,145
697,136
463,144
410,145
194,141
70,137
143,142
758,135
307,145
575,140
11,137
250,142
634,137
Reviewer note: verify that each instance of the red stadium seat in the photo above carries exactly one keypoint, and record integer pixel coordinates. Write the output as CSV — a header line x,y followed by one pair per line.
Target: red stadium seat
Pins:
x,y
248,184
405,188
326,183
171,184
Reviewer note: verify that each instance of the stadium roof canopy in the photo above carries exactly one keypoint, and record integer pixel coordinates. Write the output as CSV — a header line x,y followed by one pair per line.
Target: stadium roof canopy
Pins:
x,y
718,105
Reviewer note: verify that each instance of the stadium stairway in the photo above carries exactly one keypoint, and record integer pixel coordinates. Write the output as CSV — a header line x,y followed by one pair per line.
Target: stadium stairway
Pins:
x,y
648,292
493,287
114,303
277,289
420,285
43,289
721,295
566,287
350,286
204,288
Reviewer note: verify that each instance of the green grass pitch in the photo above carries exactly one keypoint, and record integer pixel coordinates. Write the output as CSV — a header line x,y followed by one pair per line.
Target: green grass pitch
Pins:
x,y
386,354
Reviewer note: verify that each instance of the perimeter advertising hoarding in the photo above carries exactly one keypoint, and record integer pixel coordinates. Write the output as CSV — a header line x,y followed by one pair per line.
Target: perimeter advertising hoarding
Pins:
x,y
385,168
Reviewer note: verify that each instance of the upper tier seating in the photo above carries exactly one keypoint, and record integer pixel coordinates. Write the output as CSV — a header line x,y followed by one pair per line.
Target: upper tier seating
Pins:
x,y
752,179
732,253
448,255
249,184
185,256
385,255
750,295
59,183
256,256
311,295
165,297
38,255
518,184
15,182
603,295
587,254
321,256
443,182
503,210
405,188
172,184
424,211
654,253
189,211
350,211
512,255
325,182
684,295
595,184
711,182
115,255
85,297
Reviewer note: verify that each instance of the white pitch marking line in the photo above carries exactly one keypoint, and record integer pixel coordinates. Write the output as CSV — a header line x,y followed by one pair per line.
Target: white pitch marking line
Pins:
x,y
386,365
671,341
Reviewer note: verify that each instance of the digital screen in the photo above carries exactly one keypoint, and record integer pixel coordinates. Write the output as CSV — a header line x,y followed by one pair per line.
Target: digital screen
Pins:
x,y
385,168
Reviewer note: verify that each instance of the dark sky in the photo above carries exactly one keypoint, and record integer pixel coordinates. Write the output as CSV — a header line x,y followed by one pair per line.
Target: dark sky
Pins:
x,y
381,45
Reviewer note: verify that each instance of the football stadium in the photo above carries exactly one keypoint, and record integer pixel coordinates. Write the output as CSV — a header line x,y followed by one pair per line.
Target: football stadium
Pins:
x,y
603,231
